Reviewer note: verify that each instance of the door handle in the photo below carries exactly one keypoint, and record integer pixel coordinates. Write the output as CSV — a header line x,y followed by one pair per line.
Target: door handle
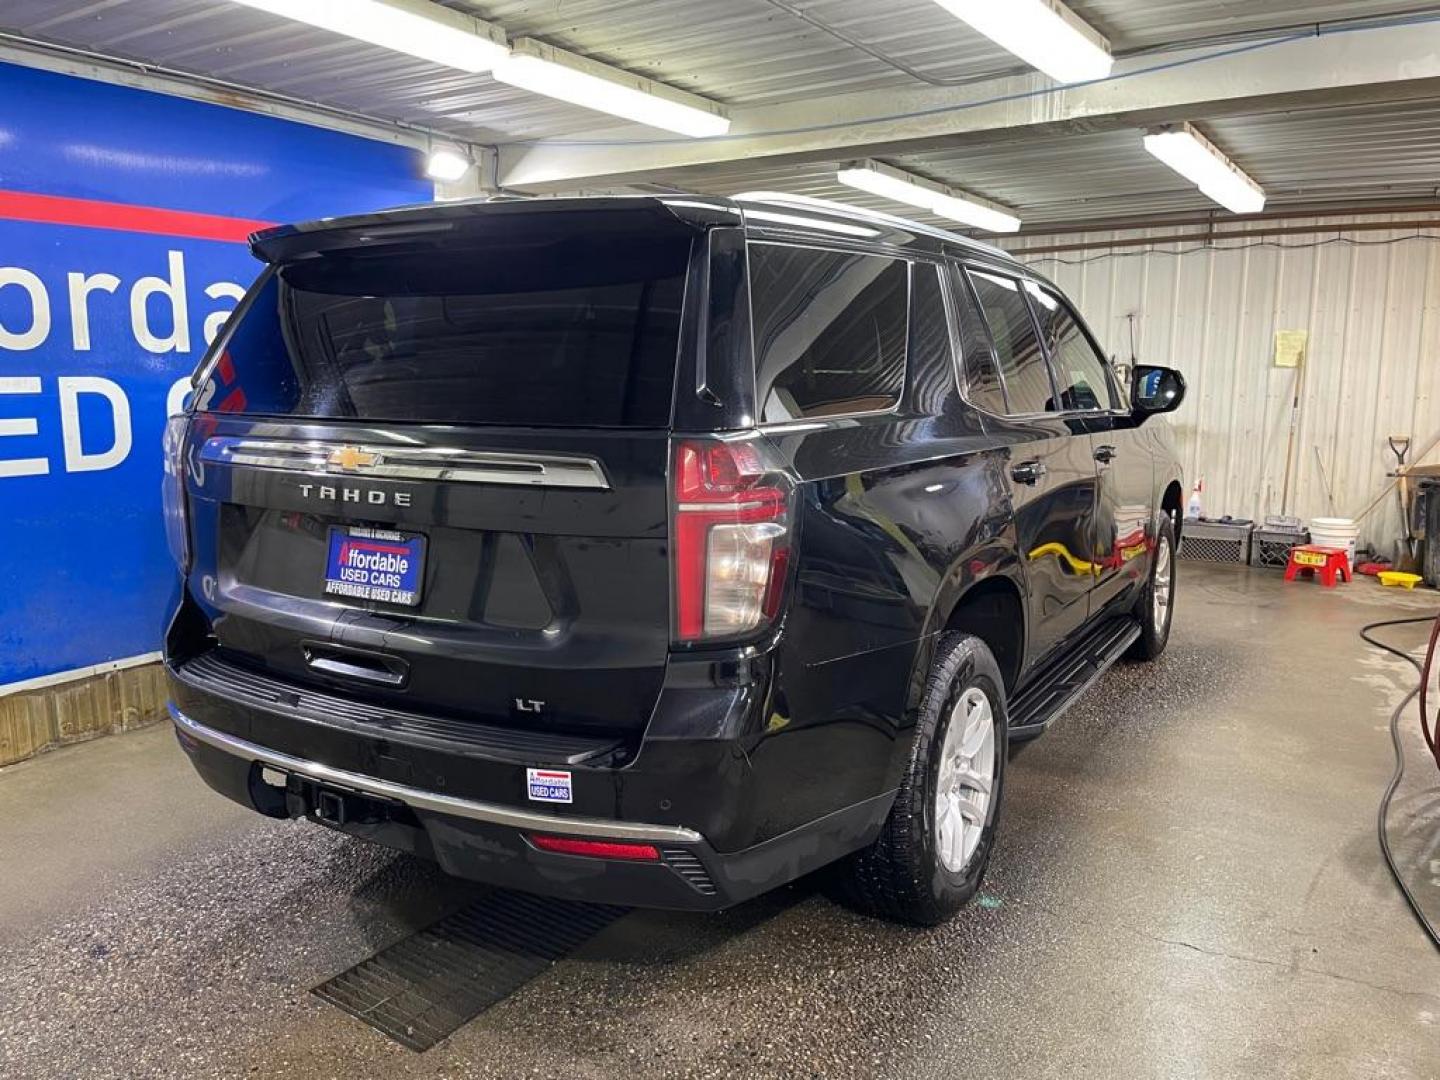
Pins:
x,y
1029,472
1105,454
356,664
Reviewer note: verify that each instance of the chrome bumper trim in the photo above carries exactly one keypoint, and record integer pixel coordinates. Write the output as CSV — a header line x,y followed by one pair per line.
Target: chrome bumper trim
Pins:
x,y
418,799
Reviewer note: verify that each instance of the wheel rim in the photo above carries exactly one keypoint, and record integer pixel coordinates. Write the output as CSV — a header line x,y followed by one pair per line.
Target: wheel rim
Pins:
x,y
1160,589
967,779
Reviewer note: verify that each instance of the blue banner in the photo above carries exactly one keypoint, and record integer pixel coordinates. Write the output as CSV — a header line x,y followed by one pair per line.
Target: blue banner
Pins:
x,y
122,220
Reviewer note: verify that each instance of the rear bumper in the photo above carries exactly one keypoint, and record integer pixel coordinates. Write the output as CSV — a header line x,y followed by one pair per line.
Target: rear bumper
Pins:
x,y
492,842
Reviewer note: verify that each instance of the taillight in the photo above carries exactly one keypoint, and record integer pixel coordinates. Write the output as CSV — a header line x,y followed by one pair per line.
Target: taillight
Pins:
x,y
172,492
731,540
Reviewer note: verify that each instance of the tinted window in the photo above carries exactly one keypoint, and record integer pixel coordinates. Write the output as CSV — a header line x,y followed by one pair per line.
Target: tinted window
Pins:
x,y
522,331
982,378
932,362
1079,369
830,331
1017,347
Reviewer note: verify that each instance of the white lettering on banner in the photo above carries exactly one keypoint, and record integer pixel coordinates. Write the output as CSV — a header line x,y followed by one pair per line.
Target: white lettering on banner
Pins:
x,y
39,330
175,399
215,322
76,459
27,425
81,286
172,289
27,330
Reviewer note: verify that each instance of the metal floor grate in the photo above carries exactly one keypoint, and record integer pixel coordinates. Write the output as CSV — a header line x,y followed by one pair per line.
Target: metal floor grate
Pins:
x,y
420,990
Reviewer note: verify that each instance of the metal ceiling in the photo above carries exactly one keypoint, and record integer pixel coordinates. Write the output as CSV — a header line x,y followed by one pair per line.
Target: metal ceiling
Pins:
x,y
755,52
741,52
1359,155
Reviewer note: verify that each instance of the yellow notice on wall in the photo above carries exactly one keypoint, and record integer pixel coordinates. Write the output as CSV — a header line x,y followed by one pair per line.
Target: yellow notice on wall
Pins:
x,y
1290,347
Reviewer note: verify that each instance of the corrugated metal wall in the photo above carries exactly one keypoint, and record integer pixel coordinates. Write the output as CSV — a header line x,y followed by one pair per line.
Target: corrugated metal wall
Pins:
x,y
1370,302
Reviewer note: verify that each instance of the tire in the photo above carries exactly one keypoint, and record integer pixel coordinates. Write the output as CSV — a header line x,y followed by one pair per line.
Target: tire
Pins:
x,y
905,875
1155,628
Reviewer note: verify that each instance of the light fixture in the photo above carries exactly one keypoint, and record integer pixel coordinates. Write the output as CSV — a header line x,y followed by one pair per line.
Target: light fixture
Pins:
x,y
1196,158
416,27
543,69
447,164
892,183
1044,33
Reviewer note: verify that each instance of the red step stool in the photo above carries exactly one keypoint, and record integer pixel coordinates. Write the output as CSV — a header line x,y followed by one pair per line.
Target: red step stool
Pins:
x,y
1310,559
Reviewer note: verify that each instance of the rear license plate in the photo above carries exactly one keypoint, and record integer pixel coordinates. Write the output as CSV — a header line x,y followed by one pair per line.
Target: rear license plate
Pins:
x,y
375,564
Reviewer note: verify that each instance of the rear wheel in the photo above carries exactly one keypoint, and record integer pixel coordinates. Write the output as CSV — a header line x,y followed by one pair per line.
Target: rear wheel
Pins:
x,y
1155,607
933,851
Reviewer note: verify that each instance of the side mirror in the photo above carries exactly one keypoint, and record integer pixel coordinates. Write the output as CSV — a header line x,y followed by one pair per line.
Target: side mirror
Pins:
x,y
1155,390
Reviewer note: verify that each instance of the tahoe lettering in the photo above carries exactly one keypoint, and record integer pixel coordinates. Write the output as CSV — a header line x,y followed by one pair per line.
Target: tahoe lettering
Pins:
x,y
331,493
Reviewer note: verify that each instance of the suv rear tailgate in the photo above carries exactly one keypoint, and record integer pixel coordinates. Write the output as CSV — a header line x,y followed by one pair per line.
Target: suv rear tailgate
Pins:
x,y
497,414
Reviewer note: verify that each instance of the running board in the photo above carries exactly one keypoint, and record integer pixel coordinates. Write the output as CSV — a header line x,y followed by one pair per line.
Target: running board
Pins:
x,y
1061,681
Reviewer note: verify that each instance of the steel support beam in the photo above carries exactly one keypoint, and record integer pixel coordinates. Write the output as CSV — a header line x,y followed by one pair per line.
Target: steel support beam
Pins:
x,y
1343,66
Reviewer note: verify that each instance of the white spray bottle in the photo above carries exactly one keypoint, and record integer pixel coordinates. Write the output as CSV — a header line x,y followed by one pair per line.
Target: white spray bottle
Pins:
x,y
1192,508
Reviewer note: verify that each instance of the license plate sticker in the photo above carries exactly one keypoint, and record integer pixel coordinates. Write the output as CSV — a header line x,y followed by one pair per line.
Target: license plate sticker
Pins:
x,y
549,785
375,564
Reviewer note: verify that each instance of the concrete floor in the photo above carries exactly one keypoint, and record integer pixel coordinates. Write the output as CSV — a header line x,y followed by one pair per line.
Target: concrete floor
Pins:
x,y
1187,884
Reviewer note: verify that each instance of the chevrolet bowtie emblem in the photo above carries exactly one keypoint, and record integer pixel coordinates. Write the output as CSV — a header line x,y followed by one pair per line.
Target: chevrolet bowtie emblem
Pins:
x,y
350,458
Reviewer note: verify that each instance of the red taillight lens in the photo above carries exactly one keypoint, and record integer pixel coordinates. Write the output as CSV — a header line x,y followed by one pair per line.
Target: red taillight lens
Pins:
x,y
731,540
597,849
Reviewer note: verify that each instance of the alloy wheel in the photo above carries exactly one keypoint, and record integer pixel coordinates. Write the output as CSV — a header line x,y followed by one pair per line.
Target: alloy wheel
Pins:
x,y
967,778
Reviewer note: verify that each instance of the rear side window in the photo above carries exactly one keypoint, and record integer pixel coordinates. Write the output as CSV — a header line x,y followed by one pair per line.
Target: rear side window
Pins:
x,y
579,332
1017,346
830,331
982,377
1079,368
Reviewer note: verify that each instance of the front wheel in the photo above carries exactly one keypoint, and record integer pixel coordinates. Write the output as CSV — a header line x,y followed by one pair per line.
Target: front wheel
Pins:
x,y
1155,607
933,851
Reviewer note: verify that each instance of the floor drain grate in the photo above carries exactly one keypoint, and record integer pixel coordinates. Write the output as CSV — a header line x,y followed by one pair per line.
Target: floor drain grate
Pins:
x,y
420,990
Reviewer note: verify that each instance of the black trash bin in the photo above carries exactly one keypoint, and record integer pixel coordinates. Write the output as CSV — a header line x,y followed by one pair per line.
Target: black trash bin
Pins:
x,y
1427,515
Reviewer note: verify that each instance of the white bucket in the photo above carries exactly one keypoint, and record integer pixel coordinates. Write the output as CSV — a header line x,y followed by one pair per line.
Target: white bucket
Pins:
x,y
1337,533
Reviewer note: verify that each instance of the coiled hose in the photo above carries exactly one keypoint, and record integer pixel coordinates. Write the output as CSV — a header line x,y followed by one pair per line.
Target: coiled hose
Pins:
x,y
1425,668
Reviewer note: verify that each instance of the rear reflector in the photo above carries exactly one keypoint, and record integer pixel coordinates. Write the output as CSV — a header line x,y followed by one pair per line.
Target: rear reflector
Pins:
x,y
597,849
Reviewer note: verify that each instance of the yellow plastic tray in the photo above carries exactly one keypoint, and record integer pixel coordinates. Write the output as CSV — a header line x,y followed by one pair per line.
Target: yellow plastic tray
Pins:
x,y
1399,577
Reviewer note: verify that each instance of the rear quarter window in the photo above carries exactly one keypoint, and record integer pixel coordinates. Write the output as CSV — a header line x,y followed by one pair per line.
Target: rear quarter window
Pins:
x,y
1021,360
830,331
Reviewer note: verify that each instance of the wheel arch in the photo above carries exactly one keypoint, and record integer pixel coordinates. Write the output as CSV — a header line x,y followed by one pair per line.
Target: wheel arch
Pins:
x,y
1172,505
994,611
982,594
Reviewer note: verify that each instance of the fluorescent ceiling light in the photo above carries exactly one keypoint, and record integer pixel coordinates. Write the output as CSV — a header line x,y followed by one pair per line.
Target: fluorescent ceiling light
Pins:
x,y
1044,33
447,164
1195,157
543,69
417,27
891,183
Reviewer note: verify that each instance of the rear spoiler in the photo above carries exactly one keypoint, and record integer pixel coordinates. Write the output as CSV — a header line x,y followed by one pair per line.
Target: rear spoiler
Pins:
x,y
473,220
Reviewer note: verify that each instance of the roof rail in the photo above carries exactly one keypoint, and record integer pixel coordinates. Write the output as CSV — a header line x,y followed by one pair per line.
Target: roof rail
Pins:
x,y
843,209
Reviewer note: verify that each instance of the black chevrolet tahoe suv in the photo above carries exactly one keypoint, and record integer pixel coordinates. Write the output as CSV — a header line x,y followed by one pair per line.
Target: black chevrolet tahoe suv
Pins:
x,y
656,550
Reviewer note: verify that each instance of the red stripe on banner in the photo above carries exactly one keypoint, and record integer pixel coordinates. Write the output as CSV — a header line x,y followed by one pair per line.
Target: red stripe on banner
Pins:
x,y
94,214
